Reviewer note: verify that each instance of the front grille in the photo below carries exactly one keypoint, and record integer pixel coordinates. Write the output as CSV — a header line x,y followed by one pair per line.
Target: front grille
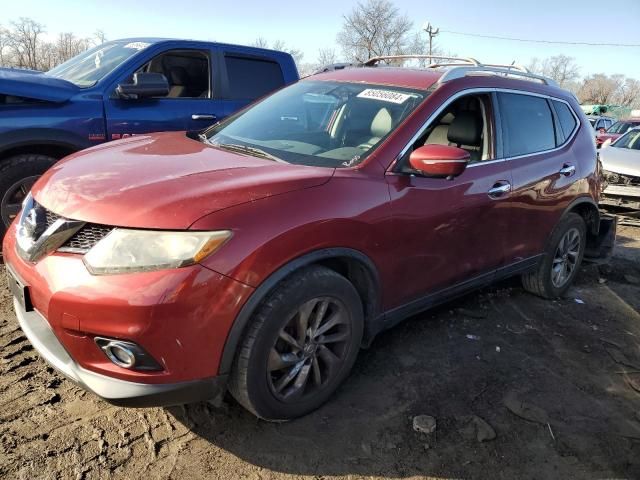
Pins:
x,y
51,218
86,238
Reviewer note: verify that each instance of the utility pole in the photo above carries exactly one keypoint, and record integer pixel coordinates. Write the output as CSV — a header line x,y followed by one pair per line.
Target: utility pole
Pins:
x,y
432,33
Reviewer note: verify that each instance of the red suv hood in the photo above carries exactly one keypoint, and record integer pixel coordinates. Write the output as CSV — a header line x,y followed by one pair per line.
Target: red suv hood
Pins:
x,y
165,181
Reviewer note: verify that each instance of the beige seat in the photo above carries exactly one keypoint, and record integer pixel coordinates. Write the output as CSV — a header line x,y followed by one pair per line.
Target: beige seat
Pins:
x,y
380,127
180,84
438,135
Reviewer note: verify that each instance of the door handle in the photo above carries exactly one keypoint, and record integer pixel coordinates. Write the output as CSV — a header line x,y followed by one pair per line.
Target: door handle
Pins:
x,y
499,189
567,170
203,116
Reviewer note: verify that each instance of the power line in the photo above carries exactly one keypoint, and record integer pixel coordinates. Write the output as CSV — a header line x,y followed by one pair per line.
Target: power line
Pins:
x,y
530,40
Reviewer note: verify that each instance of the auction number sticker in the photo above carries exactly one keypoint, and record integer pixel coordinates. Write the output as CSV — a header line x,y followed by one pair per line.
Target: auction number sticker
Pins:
x,y
384,95
137,45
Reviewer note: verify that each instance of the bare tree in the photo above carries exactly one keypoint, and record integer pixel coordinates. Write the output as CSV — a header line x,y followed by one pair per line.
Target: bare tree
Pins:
x,y
628,94
374,28
23,46
297,54
24,42
4,47
47,56
260,42
99,37
68,46
294,52
561,68
326,56
599,89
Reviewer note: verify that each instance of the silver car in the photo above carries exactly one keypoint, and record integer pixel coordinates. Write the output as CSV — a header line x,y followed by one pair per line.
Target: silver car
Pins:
x,y
621,171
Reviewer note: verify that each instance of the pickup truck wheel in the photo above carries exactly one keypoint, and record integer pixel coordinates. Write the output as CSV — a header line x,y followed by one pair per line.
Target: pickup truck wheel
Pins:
x,y
561,260
301,344
17,176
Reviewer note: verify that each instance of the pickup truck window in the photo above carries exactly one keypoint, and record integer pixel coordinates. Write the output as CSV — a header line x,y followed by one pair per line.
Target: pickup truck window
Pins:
x,y
187,72
251,77
88,68
317,123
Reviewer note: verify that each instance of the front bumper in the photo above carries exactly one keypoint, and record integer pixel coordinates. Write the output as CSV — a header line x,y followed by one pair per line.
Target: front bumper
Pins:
x,y
116,391
626,196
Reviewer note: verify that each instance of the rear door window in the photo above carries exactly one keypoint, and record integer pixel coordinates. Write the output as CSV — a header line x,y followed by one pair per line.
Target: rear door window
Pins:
x,y
567,119
527,124
251,77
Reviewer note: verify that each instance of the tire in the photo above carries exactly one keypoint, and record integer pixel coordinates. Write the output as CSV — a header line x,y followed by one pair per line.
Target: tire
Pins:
x,y
255,375
542,281
21,169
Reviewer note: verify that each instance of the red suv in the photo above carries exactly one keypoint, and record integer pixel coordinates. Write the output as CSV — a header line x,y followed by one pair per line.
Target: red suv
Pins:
x,y
261,254
615,131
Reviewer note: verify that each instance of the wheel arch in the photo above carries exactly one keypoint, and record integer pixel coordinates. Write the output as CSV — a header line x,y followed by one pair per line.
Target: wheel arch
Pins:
x,y
352,264
40,141
587,208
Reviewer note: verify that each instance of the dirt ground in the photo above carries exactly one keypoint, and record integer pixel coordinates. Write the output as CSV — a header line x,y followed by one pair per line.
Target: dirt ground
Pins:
x,y
558,382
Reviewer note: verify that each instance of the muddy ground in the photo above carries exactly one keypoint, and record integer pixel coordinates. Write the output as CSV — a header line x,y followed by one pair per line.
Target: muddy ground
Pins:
x,y
557,381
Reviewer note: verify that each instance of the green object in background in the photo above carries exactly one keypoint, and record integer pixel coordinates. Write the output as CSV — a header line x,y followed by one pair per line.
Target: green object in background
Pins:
x,y
615,111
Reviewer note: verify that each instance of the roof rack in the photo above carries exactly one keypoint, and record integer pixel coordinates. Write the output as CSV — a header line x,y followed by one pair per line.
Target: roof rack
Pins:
x,y
456,60
334,66
462,67
506,71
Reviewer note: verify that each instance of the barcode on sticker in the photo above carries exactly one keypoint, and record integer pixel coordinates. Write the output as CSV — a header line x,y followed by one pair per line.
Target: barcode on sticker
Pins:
x,y
384,95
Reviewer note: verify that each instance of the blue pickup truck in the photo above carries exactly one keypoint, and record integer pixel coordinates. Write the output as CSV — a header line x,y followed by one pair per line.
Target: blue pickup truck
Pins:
x,y
119,89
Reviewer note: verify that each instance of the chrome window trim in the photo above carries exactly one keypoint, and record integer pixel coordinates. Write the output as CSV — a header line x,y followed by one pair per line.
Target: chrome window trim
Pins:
x,y
471,91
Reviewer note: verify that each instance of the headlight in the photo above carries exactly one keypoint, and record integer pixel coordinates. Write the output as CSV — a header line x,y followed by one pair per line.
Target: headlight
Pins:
x,y
126,251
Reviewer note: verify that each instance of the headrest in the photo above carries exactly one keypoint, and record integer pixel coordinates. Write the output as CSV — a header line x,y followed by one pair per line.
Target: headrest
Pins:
x,y
466,129
381,124
179,76
447,119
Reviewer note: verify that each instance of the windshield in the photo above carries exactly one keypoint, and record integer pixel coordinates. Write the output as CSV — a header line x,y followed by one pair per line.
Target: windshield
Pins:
x,y
86,69
621,127
630,140
319,123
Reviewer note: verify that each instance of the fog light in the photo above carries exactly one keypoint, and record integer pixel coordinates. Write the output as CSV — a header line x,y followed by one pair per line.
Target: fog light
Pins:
x,y
127,354
119,354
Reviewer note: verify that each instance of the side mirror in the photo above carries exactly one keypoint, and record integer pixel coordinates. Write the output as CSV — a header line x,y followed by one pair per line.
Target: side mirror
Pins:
x,y
145,85
439,160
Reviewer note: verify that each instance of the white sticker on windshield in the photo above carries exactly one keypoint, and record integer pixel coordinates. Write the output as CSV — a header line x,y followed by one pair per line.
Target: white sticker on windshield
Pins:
x,y
137,45
384,95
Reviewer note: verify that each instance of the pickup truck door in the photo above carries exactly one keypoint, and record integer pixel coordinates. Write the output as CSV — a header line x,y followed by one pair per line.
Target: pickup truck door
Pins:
x,y
245,76
191,104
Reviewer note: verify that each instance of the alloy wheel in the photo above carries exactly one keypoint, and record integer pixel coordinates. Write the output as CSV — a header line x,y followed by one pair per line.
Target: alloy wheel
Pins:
x,y
310,349
12,200
566,258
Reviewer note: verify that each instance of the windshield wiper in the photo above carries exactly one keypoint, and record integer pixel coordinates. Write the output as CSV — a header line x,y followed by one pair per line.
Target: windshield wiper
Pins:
x,y
256,152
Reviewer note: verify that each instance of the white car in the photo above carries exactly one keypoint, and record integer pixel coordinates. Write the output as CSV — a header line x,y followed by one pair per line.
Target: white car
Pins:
x,y
621,171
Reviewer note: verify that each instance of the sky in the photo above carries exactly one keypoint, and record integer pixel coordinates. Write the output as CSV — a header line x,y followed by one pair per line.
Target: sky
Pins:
x,y
310,26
